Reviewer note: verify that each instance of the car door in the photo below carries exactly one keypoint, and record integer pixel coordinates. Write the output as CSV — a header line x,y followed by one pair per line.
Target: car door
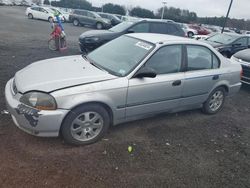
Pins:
x,y
82,16
35,12
162,93
91,18
44,15
201,74
239,45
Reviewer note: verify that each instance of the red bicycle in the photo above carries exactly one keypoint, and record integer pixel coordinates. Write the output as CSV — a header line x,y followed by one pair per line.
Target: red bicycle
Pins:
x,y
57,42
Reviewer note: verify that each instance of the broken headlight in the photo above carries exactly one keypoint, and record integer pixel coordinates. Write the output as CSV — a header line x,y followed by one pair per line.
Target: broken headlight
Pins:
x,y
39,100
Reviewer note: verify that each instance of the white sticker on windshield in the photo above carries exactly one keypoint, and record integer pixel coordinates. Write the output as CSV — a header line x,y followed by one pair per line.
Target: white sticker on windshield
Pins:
x,y
144,45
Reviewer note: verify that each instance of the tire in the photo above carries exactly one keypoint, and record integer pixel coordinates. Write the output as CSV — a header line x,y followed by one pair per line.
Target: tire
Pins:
x,y
99,25
190,34
50,19
215,101
30,16
52,44
76,22
85,125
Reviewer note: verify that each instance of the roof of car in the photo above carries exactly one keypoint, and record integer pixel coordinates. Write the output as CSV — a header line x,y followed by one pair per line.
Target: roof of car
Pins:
x,y
162,38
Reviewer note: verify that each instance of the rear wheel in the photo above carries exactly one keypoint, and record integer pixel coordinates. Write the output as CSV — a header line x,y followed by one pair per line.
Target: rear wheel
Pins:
x,y
75,22
99,25
85,125
30,16
215,101
190,34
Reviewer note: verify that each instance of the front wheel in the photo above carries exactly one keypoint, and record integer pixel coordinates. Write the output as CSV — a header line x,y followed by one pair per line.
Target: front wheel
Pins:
x,y
85,125
215,101
190,34
76,22
53,45
30,16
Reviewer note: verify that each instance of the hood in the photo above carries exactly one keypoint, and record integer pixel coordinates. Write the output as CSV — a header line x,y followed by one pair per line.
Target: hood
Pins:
x,y
57,73
97,33
243,55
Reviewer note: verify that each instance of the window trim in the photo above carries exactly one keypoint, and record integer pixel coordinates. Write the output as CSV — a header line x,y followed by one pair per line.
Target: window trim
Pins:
x,y
212,53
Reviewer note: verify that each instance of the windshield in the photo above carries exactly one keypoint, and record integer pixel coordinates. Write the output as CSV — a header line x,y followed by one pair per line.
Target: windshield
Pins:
x,y
222,38
120,56
121,27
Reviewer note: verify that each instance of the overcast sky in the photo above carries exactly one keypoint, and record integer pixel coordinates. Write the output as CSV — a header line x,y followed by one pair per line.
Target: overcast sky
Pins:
x,y
240,8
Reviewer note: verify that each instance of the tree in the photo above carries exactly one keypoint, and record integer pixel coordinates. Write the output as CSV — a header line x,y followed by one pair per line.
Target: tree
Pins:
x,y
142,13
46,2
114,9
75,4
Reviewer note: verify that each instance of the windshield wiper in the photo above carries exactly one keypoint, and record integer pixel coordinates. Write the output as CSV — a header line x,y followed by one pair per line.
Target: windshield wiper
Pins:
x,y
93,63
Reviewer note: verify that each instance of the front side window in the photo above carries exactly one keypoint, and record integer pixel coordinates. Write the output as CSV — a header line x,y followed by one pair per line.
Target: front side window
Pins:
x,y
200,58
166,60
141,28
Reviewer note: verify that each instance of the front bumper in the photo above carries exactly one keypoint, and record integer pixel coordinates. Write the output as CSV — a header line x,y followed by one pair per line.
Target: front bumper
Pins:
x,y
39,123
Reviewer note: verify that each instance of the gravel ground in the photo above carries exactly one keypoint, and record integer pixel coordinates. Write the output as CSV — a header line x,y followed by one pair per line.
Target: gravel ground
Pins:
x,y
187,149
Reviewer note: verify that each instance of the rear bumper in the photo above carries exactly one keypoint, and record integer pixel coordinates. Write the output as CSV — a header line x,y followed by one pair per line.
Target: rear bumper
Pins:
x,y
35,122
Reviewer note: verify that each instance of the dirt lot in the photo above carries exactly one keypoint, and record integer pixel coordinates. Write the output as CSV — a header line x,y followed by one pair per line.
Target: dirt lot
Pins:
x,y
187,149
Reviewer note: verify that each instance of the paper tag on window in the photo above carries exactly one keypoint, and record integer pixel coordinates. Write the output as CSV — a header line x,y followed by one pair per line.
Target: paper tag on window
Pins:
x,y
144,45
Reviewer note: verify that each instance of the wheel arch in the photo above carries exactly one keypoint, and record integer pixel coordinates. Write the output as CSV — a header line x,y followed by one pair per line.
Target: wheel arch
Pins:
x,y
104,105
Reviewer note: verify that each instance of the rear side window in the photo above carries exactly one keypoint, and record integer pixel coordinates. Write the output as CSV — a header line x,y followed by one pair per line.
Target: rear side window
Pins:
x,y
200,58
141,28
172,29
158,28
35,8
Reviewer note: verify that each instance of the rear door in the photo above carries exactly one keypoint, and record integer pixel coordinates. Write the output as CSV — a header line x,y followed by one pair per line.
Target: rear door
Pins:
x,y
35,12
162,93
202,73
82,17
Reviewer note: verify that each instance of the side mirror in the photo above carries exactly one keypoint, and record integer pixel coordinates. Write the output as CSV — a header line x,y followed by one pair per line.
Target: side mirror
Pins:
x,y
145,72
130,31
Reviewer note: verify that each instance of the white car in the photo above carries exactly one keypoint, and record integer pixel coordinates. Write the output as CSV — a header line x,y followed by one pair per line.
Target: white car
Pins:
x,y
65,15
188,31
43,13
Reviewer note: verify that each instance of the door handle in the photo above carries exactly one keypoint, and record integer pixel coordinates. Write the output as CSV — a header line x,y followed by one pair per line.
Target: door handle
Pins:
x,y
176,83
216,77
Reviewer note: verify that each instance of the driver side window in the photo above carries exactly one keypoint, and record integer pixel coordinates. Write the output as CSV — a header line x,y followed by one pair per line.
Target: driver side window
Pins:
x,y
166,60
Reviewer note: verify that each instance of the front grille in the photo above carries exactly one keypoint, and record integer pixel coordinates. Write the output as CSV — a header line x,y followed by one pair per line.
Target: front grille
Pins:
x,y
14,88
246,71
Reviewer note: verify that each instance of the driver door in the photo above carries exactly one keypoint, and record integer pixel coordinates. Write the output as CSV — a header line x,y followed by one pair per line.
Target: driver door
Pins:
x,y
162,93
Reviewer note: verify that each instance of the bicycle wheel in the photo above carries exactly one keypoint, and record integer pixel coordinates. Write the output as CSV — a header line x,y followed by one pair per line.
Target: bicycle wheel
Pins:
x,y
52,44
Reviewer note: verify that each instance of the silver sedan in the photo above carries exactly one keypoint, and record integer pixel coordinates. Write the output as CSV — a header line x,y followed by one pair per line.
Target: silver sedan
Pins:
x,y
129,78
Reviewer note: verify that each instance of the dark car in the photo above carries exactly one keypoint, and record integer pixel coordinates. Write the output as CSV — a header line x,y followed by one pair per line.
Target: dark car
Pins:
x,y
113,18
228,43
243,57
85,17
90,40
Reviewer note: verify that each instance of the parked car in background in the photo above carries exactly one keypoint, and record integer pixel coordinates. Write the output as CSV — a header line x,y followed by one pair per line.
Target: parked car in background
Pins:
x,y
64,14
112,18
90,40
229,43
130,19
200,37
247,33
243,57
129,78
189,31
42,13
85,17
201,30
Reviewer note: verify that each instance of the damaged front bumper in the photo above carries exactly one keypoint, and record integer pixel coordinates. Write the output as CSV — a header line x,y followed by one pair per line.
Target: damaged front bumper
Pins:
x,y
36,122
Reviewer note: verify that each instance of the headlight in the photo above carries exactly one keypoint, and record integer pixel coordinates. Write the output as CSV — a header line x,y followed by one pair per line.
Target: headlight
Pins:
x,y
91,39
39,100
